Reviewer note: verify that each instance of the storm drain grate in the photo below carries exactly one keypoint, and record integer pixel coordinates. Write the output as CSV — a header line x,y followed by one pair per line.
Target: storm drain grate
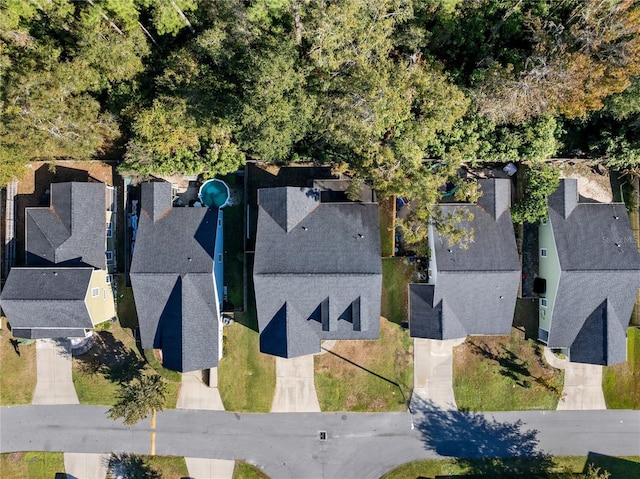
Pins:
x,y
323,435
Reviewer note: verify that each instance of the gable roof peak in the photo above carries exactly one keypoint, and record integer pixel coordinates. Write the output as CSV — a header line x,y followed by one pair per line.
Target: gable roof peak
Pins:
x,y
288,206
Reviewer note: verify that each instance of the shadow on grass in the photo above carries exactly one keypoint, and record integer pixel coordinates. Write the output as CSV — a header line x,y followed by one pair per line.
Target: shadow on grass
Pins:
x,y
112,359
479,444
618,468
390,381
511,366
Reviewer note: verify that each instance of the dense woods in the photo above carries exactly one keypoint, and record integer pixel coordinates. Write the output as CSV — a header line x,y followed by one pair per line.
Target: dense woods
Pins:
x,y
371,87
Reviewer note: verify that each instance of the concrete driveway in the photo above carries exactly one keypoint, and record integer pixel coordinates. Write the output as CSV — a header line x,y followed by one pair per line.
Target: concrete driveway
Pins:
x,y
53,363
201,468
295,388
86,466
433,371
195,394
582,384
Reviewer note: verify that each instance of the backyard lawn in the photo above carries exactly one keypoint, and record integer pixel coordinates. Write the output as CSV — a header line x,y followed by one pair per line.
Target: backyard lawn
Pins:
x,y
621,382
234,254
367,375
246,377
32,465
565,467
18,371
503,373
387,214
396,275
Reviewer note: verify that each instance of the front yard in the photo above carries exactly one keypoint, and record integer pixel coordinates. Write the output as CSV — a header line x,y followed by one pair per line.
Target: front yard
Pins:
x,y
18,371
367,375
246,377
32,465
621,382
503,373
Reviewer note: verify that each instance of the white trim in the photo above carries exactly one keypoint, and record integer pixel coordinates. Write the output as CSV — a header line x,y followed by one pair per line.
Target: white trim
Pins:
x,y
95,292
109,229
543,252
543,302
108,278
109,255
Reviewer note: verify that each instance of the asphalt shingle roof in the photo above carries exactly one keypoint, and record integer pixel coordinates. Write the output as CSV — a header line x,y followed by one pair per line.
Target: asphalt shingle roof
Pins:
x,y
48,299
173,283
599,280
72,231
475,288
317,271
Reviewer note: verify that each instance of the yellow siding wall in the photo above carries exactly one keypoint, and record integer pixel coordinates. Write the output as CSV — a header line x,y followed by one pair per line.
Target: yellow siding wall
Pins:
x,y
102,307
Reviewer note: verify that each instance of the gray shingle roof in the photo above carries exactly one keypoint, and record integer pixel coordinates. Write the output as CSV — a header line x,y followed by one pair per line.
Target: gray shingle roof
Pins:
x,y
599,281
47,299
475,288
317,271
72,231
173,284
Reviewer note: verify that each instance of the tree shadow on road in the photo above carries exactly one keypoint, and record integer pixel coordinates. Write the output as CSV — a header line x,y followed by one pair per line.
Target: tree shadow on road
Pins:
x,y
469,436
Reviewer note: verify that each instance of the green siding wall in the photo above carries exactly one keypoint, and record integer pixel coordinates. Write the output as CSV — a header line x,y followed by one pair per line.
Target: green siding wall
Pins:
x,y
549,269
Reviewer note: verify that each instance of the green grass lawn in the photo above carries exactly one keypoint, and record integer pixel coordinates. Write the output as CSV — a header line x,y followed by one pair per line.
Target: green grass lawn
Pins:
x,y
246,377
343,384
169,467
387,214
242,470
566,467
113,360
621,382
396,275
234,254
32,465
503,373
18,371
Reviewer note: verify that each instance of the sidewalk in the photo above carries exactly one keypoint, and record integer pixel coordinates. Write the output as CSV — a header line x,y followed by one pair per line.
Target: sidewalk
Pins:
x,y
53,363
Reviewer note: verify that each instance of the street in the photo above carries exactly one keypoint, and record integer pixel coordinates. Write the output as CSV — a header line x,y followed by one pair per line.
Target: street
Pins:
x,y
357,445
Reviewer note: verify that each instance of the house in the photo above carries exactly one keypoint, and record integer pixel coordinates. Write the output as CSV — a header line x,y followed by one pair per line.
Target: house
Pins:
x,y
589,273
470,291
65,290
317,271
176,275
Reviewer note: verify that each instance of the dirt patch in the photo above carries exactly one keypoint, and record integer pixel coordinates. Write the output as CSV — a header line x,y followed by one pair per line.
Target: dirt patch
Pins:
x,y
593,184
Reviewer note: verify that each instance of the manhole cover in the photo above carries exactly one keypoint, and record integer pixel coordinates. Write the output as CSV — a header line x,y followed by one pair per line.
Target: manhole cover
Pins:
x,y
323,435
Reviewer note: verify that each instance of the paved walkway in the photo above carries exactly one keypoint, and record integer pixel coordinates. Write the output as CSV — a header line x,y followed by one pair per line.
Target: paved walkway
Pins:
x,y
195,394
582,384
53,360
433,371
86,466
295,388
200,468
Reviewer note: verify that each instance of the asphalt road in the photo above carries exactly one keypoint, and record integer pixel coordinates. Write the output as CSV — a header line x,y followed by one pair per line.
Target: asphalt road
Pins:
x,y
357,445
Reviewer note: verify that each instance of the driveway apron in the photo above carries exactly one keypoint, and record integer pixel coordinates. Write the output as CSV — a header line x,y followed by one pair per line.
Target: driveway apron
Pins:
x,y
582,384
55,385
295,388
86,466
195,394
200,468
433,371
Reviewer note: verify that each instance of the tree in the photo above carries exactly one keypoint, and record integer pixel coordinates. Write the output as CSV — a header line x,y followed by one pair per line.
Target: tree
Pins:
x,y
541,179
138,398
130,466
